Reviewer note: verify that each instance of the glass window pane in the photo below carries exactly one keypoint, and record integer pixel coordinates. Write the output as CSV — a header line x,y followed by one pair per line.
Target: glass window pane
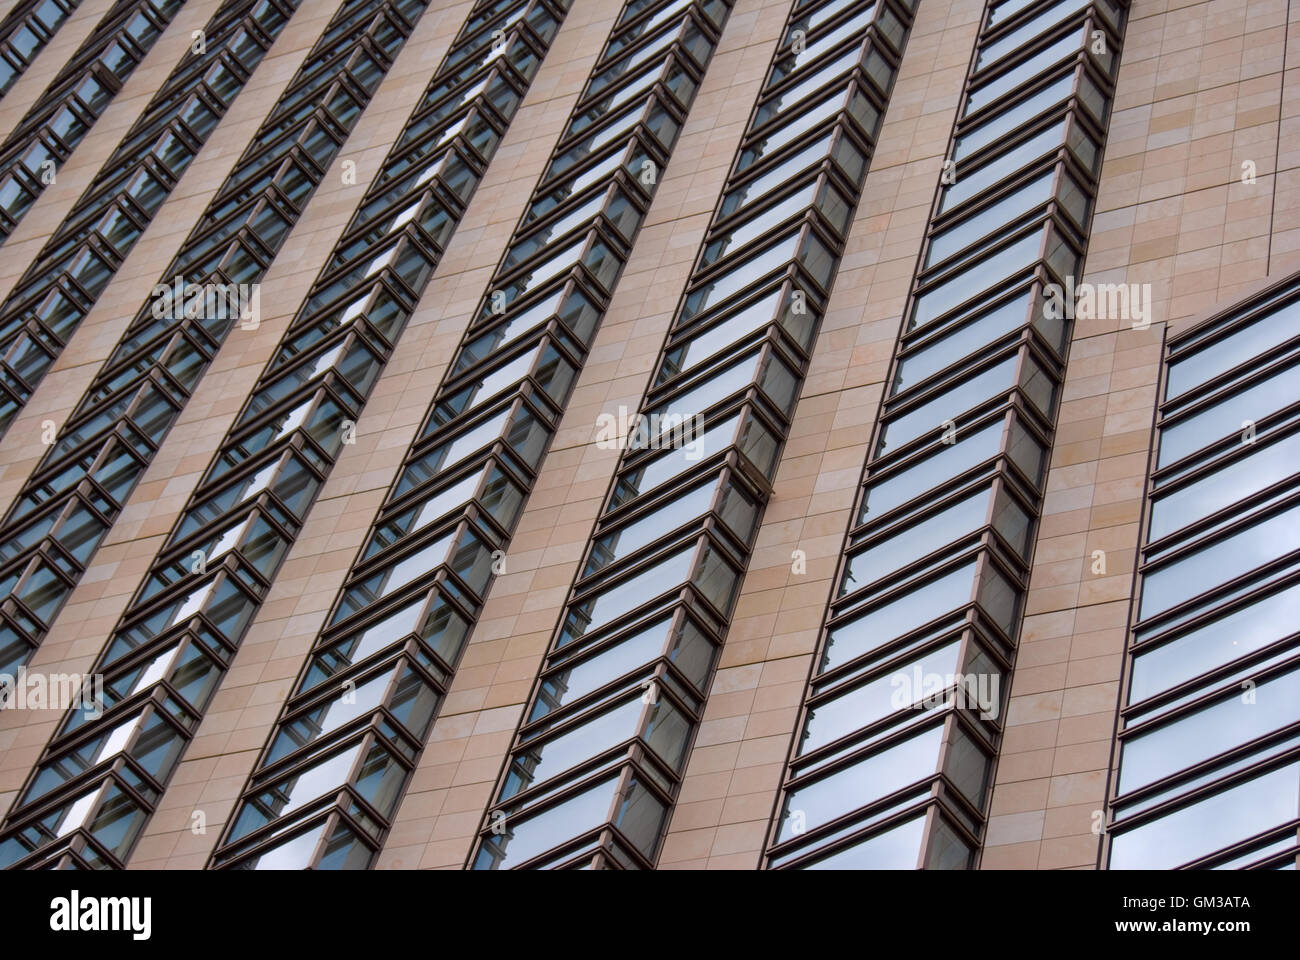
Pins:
x,y
876,699
1261,467
1220,355
1228,415
1195,737
1070,43
615,600
1222,640
971,182
960,396
538,762
898,616
1213,823
948,462
898,848
522,840
1220,561
916,539
988,272
870,778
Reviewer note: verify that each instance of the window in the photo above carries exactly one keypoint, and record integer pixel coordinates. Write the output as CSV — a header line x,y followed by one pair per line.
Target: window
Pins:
x,y
104,225
1203,766
32,26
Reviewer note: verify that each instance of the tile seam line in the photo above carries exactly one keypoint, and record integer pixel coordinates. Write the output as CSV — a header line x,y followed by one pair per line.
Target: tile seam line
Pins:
x,y
1277,147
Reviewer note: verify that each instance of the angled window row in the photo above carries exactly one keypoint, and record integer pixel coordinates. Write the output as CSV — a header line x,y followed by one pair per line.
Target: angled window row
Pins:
x,y
599,756
78,489
67,109
187,619
76,264
1208,746
891,765
328,784
25,32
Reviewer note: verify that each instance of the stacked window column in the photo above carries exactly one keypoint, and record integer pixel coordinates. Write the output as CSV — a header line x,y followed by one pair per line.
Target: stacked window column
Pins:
x,y
892,760
1208,746
75,266
25,32
349,738
187,620
70,105
80,486
598,759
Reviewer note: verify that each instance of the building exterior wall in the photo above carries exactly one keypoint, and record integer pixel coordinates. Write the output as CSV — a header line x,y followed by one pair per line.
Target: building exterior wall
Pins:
x,y
1199,198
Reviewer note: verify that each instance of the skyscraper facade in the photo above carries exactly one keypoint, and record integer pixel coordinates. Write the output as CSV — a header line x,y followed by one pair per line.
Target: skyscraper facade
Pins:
x,y
649,434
